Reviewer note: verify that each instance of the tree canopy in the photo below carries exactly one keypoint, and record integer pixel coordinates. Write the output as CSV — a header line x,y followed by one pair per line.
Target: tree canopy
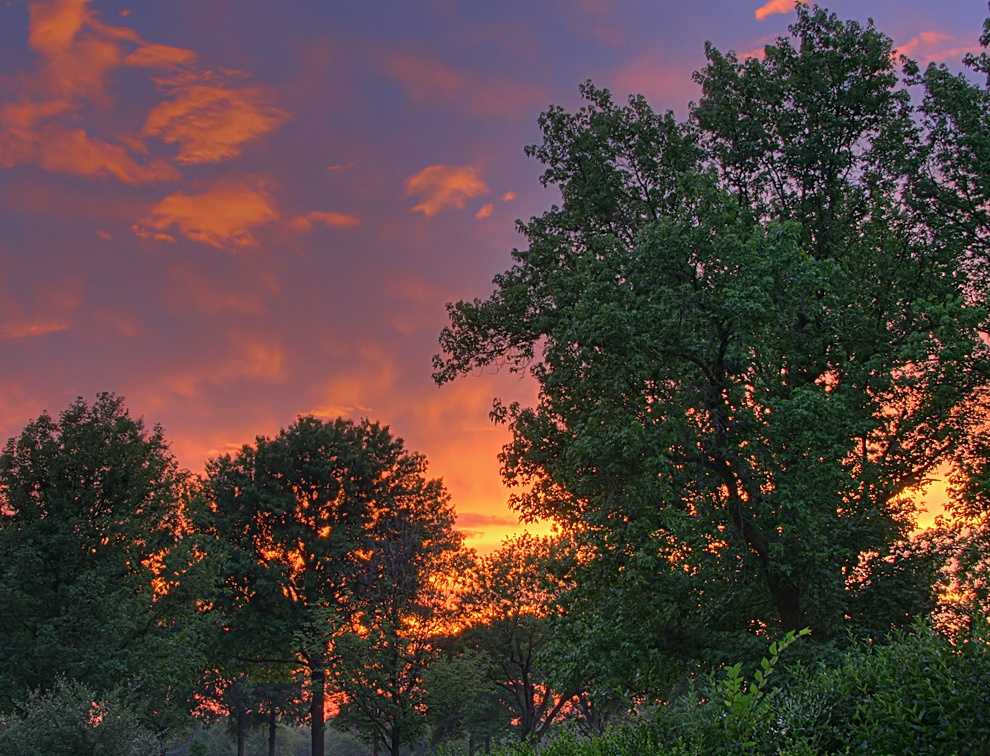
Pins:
x,y
756,332
329,534
93,559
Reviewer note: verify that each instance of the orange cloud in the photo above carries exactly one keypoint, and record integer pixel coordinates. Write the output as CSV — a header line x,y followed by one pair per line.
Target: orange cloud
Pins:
x,y
484,211
444,187
209,121
79,50
160,56
222,217
63,150
333,411
304,223
19,329
773,7
26,138
508,196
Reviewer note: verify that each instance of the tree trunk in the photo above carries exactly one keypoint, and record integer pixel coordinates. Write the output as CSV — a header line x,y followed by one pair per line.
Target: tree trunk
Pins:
x,y
271,731
241,726
470,744
787,599
316,718
395,747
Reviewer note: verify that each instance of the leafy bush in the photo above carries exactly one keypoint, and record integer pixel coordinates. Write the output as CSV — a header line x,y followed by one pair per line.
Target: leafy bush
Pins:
x,y
71,720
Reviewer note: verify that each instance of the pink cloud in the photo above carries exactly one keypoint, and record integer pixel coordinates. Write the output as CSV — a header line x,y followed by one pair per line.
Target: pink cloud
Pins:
x,y
774,7
931,46
243,358
484,211
223,217
444,187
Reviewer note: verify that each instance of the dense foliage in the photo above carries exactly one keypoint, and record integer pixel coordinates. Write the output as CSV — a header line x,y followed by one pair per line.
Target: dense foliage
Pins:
x,y
756,333
96,578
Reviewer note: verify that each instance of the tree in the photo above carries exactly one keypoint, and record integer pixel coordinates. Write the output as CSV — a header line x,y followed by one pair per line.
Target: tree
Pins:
x,y
96,564
510,599
753,335
302,521
405,606
462,700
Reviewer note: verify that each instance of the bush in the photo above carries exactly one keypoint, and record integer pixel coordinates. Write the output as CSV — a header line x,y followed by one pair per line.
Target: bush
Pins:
x,y
71,720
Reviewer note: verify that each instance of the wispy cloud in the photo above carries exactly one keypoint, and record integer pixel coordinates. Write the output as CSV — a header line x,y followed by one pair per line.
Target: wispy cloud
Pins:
x,y
429,80
305,223
19,329
223,217
935,47
444,187
209,120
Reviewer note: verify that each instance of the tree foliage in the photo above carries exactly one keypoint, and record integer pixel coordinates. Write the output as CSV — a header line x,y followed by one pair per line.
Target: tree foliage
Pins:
x,y
330,534
756,333
95,561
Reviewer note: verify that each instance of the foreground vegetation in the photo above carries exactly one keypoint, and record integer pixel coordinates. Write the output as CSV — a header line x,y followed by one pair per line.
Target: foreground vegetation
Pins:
x,y
757,333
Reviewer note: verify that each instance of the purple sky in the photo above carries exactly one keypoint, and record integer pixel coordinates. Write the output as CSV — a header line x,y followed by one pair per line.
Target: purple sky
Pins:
x,y
233,212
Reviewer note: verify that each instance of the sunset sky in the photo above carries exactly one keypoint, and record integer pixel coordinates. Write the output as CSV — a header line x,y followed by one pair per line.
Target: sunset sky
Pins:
x,y
234,212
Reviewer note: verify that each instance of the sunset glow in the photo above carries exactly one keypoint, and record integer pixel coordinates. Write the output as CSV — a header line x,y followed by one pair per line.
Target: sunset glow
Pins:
x,y
235,213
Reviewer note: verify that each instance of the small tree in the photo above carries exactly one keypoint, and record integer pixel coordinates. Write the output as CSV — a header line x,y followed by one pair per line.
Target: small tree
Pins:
x,y
509,600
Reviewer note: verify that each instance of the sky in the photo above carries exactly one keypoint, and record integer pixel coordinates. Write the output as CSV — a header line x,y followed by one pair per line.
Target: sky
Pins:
x,y
235,212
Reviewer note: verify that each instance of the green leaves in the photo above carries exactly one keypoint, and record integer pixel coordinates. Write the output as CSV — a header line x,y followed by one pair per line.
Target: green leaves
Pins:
x,y
96,571
755,332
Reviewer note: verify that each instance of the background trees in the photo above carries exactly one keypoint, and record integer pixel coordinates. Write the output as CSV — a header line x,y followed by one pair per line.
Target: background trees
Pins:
x,y
754,336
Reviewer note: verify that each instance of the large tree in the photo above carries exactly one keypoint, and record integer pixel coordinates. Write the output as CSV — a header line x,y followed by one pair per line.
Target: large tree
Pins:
x,y
95,559
307,523
755,334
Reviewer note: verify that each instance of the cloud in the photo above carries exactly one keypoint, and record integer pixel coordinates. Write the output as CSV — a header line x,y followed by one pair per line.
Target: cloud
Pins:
x,y
19,329
426,79
931,46
241,290
223,217
205,116
444,187
431,81
478,520
508,196
160,56
774,7
246,358
79,50
209,121
59,149
484,211
304,223
333,411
